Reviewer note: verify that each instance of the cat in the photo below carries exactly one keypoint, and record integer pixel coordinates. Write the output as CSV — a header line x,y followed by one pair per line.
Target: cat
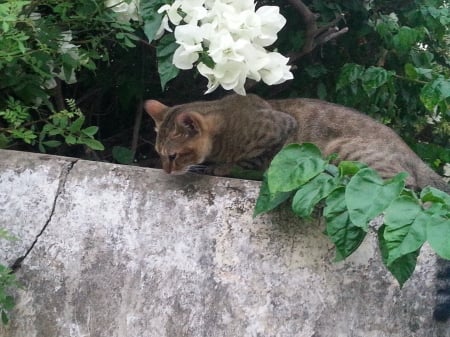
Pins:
x,y
248,131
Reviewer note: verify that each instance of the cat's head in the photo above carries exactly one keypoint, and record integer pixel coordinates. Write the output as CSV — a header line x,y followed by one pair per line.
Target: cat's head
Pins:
x,y
183,137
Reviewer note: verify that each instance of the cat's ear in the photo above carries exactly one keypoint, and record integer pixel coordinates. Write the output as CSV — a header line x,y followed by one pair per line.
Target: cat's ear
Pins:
x,y
156,110
189,121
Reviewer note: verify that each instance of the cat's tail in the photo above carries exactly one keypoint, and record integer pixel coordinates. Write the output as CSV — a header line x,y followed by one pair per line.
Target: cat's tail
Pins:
x,y
442,309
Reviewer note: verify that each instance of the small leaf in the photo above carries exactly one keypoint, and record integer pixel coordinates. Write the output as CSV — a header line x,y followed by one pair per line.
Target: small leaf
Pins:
x,y
93,144
293,166
8,303
5,318
70,139
433,93
431,194
122,155
375,77
76,125
350,168
52,143
164,53
90,131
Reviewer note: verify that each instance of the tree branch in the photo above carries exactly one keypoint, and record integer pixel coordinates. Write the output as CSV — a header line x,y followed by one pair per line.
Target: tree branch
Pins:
x,y
315,35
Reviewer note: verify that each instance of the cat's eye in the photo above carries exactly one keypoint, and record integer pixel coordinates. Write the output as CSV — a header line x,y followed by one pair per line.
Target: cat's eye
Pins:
x,y
172,157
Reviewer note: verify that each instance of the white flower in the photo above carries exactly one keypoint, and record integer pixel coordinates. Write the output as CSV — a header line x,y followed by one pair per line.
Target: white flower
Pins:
x,y
230,75
276,71
233,35
194,11
434,118
163,27
172,12
189,37
271,23
125,11
447,170
224,48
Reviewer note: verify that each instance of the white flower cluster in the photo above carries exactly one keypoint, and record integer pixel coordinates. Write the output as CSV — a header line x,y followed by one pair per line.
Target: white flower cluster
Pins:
x,y
226,40
126,10
447,172
66,47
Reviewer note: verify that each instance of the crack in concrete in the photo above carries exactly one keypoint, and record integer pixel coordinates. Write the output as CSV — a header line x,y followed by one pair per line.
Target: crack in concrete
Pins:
x,y
61,185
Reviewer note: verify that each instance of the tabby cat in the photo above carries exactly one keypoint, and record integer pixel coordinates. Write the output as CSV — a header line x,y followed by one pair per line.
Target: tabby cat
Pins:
x,y
248,131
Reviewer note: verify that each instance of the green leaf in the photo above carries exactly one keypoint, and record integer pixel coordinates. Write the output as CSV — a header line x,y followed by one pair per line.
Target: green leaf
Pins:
x,y
350,168
312,193
438,235
164,53
367,195
343,233
90,131
431,194
268,201
151,25
403,267
5,318
375,77
350,73
76,125
93,144
406,38
435,93
405,228
293,166
52,143
70,139
8,303
122,155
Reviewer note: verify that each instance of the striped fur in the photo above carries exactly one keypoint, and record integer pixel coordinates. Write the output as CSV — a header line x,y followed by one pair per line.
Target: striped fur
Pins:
x,y
248,131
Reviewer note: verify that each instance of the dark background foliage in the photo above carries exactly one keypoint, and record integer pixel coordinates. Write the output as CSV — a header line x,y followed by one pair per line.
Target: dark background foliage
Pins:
x,y
389,60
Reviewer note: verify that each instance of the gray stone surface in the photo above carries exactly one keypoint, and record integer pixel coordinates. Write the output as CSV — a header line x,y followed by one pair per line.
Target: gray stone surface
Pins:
x,y
128,251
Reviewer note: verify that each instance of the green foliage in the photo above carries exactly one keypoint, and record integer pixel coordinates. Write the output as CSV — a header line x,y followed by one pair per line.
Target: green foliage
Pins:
x,y
41,45
393,64
7,282
122,155
353,195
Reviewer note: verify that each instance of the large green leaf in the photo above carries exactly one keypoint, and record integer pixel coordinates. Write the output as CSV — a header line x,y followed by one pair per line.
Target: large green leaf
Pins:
x,y
293,166
405,228
367,195
403,267
438,235
345,235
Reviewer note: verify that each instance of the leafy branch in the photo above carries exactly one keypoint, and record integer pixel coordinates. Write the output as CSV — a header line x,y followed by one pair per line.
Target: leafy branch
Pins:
x,y
353,195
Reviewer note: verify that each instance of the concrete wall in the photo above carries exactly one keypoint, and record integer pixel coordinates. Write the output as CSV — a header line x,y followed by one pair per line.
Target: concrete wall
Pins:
x,y
112,250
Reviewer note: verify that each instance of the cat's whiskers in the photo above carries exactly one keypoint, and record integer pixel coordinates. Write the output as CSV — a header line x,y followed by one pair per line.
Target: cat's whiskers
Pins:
x,y
196,168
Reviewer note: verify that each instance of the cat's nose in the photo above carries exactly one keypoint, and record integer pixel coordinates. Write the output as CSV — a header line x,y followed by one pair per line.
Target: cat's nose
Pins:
x,y
167,167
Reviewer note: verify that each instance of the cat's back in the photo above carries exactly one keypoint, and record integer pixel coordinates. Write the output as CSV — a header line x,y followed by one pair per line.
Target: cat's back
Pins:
x,y
324,120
